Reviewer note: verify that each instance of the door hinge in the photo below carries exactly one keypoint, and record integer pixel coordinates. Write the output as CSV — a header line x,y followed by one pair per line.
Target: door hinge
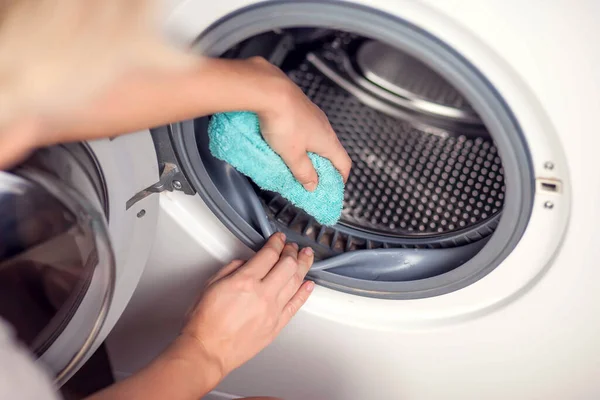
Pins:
x,y
171,176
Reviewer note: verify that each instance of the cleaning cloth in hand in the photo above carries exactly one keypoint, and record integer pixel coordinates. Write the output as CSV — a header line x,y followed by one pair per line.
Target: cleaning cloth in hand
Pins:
x,y
235,138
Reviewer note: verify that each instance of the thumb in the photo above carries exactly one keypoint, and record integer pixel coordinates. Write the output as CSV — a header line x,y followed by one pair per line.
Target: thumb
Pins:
x,y
304,171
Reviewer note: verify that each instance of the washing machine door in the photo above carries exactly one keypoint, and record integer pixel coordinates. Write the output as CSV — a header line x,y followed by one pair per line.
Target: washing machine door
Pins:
x,y
57,269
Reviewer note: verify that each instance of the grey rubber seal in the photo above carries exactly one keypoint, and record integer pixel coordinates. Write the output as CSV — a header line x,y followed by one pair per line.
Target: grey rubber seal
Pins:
x,y
394,265
453,67
241,211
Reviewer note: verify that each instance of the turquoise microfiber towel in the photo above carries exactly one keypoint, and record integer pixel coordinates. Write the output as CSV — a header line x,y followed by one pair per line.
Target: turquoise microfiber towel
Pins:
x,y
235,138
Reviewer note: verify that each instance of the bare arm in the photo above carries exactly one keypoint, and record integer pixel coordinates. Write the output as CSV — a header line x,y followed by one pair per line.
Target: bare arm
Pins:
x,y
184,371
290,122
148,99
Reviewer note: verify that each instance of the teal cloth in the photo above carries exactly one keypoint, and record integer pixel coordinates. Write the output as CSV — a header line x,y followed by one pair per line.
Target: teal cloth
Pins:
x,y
236,139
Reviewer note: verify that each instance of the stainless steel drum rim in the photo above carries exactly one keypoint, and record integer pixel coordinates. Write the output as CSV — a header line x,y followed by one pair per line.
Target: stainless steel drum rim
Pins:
x,y
407,77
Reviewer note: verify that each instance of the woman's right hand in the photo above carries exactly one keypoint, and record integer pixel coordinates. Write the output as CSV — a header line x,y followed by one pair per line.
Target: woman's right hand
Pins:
x,y
247,303
293,125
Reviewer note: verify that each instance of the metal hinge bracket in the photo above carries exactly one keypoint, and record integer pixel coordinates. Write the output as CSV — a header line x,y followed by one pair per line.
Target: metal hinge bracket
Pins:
x,y
171,176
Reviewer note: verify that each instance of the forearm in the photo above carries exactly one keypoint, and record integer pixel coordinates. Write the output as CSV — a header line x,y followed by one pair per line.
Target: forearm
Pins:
x,y
182,372
152,99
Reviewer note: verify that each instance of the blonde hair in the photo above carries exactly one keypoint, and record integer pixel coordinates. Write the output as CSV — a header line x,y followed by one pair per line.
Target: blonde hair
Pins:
x,y
55,53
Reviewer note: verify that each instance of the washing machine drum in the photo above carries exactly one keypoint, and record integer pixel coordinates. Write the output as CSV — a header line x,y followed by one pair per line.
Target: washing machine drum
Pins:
x,y
56,263
427,190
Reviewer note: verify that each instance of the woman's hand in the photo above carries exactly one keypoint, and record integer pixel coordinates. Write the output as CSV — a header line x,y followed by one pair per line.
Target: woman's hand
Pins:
x,y
244,307
293,125
246,304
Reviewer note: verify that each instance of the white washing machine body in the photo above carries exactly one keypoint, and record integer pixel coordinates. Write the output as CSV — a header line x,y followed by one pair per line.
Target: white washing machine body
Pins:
x,y
528,329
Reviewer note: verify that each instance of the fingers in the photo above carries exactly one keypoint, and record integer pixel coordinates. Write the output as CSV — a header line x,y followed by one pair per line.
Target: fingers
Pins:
x,y
295,303
302,169
289,250
283,271
225,271
341,161
305,261
333,150
262,262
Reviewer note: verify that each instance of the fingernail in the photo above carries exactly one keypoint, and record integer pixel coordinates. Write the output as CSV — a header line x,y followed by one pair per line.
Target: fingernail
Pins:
x,y
281,236
310,186
308,251
294,245
310,286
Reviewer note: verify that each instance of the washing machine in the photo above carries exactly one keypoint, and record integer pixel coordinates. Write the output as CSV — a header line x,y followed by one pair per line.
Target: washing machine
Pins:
x,y
61,304
465,262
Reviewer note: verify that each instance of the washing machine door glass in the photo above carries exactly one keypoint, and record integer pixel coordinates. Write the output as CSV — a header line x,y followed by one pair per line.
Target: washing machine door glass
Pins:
x,y
56,266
